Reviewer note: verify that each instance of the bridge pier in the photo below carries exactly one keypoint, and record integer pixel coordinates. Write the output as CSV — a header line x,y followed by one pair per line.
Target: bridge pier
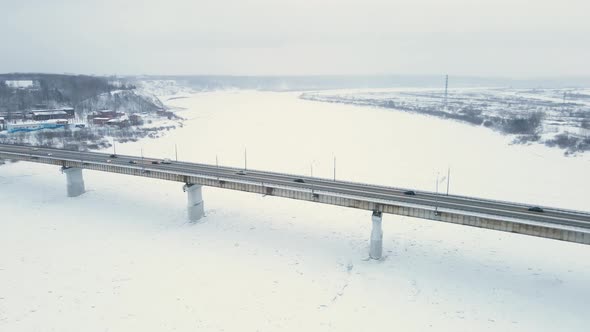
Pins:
x,y
75,181
195,206
376,236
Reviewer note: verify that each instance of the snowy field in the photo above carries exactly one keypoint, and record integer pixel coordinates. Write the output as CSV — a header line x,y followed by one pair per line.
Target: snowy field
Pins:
x,y
122,257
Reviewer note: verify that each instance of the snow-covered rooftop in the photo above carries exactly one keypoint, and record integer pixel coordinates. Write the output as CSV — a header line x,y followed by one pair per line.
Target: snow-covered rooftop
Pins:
x,y
50,113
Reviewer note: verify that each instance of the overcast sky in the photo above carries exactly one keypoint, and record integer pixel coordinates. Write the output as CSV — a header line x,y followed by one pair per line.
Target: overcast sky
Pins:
x,y
515,38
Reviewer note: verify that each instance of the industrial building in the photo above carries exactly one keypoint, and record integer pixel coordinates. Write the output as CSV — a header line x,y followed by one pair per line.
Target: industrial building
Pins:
x,y
33,126
50,114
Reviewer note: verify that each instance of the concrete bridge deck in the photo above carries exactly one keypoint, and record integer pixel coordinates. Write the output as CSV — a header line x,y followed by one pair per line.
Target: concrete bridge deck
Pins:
x,y
554,223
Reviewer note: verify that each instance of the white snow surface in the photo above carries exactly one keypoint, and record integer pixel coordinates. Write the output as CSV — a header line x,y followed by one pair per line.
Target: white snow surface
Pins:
x,y
122,257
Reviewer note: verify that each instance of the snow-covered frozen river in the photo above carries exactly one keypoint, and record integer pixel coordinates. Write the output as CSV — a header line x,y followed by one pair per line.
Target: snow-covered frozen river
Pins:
x,y
121,257
285,134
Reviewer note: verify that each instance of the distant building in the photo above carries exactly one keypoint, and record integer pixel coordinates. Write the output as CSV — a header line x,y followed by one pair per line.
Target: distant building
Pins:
x,y
107,114
100,121
118,122
32,126
16,84
2,123
136,119
12,115
70,110
50,115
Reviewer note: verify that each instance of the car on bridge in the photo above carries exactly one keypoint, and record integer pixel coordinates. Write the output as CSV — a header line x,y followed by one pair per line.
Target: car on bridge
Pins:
x,y
166,161
132,162
299,181
410,193
536,209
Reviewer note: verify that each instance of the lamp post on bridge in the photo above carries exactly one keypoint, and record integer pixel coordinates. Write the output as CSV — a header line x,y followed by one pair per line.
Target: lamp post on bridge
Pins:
x,y
334,168
448,179
142,163
436,196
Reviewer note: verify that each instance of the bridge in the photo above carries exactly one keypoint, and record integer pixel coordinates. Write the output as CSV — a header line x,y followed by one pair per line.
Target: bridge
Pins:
x,y
547,222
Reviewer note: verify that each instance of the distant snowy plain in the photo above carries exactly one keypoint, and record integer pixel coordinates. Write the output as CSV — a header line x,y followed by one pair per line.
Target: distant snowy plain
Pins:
x,y
122,257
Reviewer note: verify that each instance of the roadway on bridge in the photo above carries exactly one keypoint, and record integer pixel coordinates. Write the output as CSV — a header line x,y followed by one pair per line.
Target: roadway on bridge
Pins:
x,y
468,204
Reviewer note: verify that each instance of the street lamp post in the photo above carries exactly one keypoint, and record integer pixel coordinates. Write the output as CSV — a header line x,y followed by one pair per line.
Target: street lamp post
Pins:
x,y
448,179
436,196
334,168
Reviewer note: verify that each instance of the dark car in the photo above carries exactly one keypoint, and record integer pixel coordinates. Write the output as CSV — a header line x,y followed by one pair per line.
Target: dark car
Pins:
x,y
410,192
536,209
155,162
113,156
132,162
299,180
241,173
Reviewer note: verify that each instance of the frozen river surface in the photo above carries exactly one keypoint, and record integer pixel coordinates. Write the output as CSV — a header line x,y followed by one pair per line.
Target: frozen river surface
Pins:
x,y
122,257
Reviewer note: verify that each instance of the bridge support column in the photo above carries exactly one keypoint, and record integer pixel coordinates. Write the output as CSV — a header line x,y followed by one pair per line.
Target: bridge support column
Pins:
x,y
376,236
195,207
75,181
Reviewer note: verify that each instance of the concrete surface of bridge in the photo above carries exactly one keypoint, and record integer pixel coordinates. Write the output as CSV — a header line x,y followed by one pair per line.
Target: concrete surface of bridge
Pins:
x,y
553,223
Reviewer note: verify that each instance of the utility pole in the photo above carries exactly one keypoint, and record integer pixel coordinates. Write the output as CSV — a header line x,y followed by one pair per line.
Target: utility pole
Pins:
x,y
114,146
311,169
245,158
436,196
448,179
216,161
334,168
176,151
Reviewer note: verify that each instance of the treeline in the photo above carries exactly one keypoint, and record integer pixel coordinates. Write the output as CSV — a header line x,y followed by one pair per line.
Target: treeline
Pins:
x,y
52,90
526,124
